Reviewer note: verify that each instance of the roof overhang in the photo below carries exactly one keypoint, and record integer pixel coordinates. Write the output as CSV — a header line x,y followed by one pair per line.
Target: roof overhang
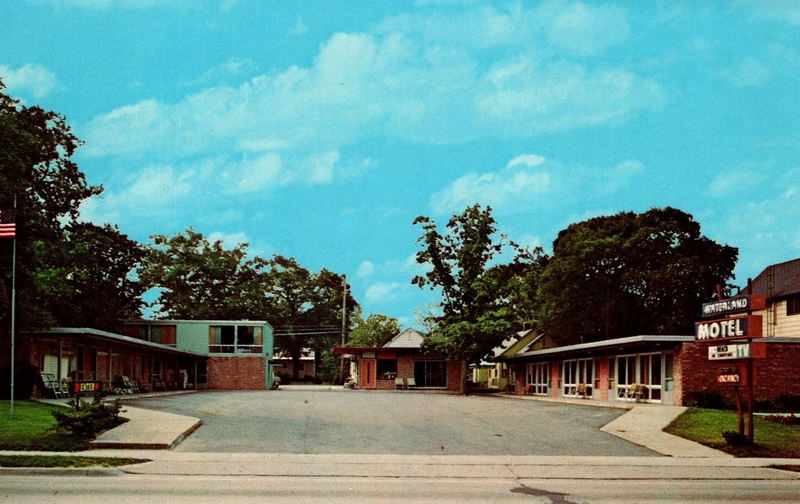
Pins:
x,y
604,347
360,350
98,335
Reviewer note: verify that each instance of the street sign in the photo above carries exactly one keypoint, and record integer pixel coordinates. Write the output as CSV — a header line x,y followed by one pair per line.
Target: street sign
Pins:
x,y
726,352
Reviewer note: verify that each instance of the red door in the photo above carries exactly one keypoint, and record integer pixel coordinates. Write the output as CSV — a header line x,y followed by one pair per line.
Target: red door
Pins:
x,y
367,370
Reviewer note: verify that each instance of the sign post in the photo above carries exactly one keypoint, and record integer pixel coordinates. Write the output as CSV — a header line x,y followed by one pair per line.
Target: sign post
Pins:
x,y
739,326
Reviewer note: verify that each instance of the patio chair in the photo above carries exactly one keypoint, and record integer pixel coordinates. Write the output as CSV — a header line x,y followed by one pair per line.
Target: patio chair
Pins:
x,y
54,386
411,383
398,383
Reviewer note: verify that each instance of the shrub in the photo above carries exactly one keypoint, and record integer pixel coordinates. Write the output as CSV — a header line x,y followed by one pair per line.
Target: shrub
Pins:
x,y
25,376
708,399
734,438
783,419
789,403
88,420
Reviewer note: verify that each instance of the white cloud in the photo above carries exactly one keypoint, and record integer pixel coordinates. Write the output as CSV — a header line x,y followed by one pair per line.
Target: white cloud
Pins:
x,y
299,28
507,189
586,29
518,187
433,78
730,183
778,60
529,160
321,167
382,292
231,69
30,78
229,240
257,174
146,194
365,269
787,11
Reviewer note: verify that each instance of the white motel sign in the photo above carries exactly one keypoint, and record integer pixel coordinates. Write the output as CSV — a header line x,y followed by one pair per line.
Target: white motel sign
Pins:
x,y
726,352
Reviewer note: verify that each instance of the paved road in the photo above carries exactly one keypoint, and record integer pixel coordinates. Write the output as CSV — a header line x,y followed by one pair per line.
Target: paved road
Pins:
x,y
261,490
356,421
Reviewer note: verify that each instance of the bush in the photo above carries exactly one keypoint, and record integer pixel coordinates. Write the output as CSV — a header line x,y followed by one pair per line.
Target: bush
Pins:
x,y
783,419
708,399
789,403
734,438
88,420
25,376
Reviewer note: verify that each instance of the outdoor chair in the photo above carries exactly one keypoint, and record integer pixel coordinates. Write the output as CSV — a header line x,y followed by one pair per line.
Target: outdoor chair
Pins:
x,y
127,385
398,383
411,383
54,386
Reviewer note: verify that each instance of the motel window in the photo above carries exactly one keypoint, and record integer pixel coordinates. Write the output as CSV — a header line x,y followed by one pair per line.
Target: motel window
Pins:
x,y
577,377
235,339
430,373
793,305
538,379
387,369
164,334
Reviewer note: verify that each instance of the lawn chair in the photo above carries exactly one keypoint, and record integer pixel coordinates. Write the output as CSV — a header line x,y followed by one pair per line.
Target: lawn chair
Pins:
x,y
131,385
411,383
398,384
54,386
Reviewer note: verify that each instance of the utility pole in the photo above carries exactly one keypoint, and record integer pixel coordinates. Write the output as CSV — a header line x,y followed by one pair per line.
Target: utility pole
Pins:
x,y
344,326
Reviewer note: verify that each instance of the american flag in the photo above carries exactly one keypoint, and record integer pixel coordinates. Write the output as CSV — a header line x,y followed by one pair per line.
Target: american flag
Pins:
x,y
8,228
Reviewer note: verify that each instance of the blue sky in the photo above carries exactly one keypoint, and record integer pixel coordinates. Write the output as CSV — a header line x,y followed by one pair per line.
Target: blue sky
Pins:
x,y
321,129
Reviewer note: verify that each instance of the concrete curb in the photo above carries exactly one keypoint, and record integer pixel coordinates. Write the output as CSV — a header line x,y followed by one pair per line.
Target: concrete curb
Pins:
x,y
60,471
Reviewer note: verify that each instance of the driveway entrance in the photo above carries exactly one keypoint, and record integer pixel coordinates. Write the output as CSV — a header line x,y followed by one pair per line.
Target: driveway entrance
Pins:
x,y
323,420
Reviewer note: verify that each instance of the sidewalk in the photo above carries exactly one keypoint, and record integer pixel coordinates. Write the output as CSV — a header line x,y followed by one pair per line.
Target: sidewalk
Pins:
x,y
145,429
642,425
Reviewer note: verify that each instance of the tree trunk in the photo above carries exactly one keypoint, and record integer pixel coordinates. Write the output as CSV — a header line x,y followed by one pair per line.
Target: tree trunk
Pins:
x,y
295,365
462,389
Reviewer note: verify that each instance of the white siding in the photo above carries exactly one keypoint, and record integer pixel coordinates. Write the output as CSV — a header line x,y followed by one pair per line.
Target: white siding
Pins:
x,y
777,324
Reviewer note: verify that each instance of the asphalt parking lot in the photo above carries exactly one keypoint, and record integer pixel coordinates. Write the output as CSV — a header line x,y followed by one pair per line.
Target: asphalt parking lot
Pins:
x,y
358,421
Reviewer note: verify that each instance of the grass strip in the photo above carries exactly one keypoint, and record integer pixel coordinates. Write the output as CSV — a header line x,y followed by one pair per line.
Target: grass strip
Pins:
x,y
706,426
34,428
65,461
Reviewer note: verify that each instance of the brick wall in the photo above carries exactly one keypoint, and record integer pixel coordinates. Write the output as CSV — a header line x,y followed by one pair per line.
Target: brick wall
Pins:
x,y
236,373
601,386
454,377
778,374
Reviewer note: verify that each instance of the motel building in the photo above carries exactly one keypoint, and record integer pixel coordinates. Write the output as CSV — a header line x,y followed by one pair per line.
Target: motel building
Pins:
x,y
401,364
155,355
754,335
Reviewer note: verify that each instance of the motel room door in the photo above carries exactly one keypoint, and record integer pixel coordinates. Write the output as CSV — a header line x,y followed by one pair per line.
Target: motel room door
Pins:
x,y
367,373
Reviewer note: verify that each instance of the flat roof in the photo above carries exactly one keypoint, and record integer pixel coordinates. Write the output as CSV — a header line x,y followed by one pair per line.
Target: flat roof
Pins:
x,y
120,338
604,345
185,321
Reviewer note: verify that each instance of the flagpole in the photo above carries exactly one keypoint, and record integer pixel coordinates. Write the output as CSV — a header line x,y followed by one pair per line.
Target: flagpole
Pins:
x,y
13,311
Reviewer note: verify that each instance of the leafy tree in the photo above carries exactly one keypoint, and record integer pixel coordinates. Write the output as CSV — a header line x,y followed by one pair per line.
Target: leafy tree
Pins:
x,y
304,307
99,289
628,274
374,331
198,279
36,168
203,280
480,305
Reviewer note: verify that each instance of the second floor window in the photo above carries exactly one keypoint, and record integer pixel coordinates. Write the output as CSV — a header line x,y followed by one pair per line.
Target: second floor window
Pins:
x,y
235,339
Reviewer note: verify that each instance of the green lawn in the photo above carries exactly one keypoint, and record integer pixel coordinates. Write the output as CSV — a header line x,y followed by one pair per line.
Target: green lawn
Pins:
x,y
33,428
706,426
64,461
